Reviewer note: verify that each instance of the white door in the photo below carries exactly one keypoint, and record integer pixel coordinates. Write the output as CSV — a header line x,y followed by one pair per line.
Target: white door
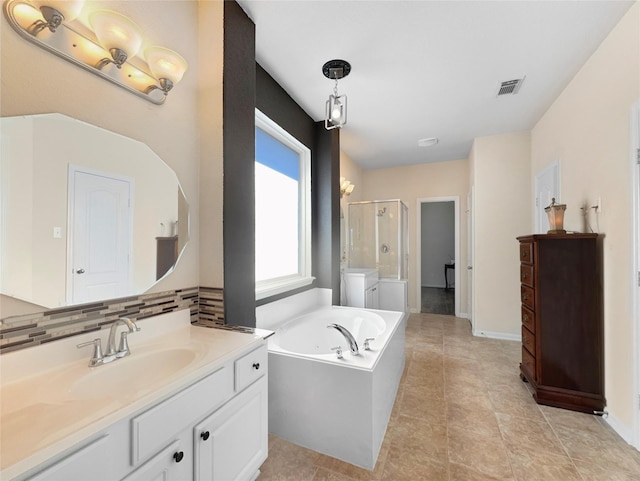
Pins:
x,y
470,258
546,187
100,235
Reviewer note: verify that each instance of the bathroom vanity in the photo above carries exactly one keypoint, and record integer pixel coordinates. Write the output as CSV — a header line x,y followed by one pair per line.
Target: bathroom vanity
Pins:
x,y
188,404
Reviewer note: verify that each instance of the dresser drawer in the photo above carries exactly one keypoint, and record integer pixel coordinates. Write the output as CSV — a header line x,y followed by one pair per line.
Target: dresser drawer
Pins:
x,y
251,367
528,364
528,320
526,296
529,341
526,274
526,252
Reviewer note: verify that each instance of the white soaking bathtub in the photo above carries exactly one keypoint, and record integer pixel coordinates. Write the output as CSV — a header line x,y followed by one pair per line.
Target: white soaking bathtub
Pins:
x,y
338,407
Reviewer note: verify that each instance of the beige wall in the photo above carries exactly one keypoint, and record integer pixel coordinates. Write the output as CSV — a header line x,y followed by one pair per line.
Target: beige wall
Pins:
x,y
184,132
502,211
210,62
415,182
588,129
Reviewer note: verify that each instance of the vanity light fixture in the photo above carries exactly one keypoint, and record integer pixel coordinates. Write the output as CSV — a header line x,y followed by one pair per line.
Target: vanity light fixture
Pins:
x,y
346,187
336,106
107,49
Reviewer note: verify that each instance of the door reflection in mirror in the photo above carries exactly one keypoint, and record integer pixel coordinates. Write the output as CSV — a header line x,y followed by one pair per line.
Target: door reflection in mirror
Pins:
x,y
81,210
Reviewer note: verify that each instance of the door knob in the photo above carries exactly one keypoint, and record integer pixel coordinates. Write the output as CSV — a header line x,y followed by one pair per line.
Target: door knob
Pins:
x,y
80,271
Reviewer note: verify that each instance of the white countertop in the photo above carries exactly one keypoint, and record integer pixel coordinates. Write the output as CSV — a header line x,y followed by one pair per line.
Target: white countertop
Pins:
x,y
49,406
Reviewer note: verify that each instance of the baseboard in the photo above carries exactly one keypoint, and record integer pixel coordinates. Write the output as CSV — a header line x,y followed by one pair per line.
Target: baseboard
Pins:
x,y
624,431
463,315
505,336
413,310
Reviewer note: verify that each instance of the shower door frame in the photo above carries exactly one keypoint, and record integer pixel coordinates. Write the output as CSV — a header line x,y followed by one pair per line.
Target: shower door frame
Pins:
x,y
401,246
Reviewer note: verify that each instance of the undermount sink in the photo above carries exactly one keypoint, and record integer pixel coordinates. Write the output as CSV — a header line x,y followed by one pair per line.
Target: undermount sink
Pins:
x,y
131,374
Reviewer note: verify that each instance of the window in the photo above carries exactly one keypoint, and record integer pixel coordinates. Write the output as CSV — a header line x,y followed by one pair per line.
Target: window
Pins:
x,y
283,210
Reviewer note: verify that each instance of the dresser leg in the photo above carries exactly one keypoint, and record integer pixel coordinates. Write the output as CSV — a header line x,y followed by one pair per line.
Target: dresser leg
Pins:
x,y
524,379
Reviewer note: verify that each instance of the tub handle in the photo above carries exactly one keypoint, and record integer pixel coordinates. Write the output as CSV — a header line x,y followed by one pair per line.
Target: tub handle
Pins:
x,y
366,343
338,350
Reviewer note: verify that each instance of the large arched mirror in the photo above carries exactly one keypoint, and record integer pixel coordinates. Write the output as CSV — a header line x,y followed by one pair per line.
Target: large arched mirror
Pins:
x,y
86,214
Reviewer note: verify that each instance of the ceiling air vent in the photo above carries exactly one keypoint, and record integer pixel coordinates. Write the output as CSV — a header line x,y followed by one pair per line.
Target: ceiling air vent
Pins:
x,y
510,87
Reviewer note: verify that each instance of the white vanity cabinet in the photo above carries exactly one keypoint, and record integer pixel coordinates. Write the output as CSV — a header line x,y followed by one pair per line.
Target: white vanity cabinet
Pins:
x,y
360,288
173,463
95,458
213,430
231,444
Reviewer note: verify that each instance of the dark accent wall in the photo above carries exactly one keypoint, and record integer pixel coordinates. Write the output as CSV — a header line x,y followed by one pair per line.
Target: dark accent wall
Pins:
x,y
325,172
239,87
246,85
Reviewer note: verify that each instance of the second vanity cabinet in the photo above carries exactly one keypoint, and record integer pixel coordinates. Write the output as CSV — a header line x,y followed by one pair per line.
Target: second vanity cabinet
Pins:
x,y
360,288
214,430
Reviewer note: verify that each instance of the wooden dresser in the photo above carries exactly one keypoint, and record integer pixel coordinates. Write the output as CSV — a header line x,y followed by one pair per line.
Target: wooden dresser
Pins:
x,y
562,320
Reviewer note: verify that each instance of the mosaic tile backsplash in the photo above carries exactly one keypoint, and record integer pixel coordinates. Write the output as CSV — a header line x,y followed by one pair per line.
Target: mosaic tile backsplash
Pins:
x,y
204,303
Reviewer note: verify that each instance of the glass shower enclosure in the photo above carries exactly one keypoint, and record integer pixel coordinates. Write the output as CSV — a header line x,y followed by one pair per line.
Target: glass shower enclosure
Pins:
x,y
378,237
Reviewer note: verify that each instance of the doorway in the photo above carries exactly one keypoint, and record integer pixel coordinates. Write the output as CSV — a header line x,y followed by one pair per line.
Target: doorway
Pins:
x,y
99,233
437,273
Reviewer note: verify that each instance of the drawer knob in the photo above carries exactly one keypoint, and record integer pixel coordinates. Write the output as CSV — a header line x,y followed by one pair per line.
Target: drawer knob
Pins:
x,y
256,365
524,254
178,456
526,318
204,435
524,275
525,296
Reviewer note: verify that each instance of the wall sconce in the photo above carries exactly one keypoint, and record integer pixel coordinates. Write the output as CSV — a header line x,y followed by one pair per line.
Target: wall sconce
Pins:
x,y
108,49
555,212
336,106
346,187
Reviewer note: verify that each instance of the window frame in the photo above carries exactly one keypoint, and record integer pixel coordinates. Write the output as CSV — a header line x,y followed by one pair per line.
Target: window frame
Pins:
x,y
279,285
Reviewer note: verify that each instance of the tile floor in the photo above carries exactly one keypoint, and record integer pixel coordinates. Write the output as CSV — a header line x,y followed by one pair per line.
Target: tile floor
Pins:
x,y
463,414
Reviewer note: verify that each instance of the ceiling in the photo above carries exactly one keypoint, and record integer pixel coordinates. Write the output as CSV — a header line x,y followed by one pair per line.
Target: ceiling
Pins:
x,y
428,68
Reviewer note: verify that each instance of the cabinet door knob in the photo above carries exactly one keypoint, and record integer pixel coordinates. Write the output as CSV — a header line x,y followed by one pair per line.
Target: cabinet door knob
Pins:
x,y
256,365
178,456
204,435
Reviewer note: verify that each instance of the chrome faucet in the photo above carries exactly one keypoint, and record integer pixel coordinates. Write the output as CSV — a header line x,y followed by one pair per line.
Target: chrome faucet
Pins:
x,y
123,349
353,345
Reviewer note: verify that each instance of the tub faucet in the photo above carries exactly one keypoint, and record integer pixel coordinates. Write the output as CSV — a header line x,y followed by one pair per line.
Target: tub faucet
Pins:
x,y
123,350
353,345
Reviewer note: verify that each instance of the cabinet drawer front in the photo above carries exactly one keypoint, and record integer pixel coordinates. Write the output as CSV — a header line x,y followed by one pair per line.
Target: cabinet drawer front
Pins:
x,y
527,319
526,296
526,274
526,252
92,460
529,341
529,363
152,429
251,367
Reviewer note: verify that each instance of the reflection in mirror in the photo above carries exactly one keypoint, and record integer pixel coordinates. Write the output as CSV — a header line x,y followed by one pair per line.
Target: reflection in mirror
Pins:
x,y
86,214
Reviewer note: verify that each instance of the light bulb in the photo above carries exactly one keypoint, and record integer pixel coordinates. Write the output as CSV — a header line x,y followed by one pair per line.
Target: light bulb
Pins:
x,y
336,110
